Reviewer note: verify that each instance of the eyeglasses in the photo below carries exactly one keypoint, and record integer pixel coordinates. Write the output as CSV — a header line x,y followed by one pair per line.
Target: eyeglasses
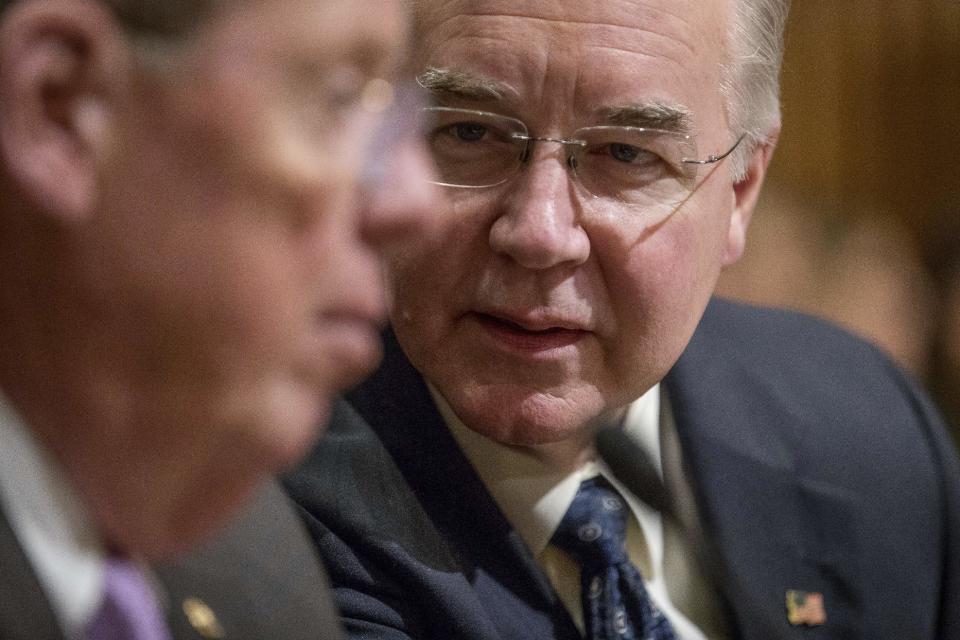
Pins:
x,y
635,165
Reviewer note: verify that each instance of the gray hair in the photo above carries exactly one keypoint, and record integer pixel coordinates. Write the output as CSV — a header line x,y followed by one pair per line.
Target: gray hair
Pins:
x,y
168,20
751,73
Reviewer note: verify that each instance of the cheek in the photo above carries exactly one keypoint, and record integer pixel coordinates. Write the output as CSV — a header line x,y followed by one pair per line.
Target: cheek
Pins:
x,y
287,242
249,296
659,286
430,279
678,264
244,273
414,295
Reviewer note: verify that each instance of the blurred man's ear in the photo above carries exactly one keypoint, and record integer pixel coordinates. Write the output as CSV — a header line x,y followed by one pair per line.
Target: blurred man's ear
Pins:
x,y
63,64
746,192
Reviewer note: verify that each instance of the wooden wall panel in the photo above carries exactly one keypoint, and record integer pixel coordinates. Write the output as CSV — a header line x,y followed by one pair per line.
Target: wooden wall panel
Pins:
x,y
871,99
860,221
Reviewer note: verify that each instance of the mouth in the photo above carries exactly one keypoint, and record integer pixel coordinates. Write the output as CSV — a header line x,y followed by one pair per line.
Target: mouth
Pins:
x,y
530,335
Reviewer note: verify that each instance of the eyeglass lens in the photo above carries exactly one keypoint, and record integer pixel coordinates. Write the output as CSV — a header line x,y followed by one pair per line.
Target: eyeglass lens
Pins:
x,y
627,164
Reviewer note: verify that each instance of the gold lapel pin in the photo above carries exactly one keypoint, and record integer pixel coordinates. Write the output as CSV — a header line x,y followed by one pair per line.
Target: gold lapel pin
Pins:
x,y
805,608
203,619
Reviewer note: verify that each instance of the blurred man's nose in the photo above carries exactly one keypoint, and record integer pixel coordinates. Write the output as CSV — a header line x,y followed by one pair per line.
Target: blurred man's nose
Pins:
x,y
401,201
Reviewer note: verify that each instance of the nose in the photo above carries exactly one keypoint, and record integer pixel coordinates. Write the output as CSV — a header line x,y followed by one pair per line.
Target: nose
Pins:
x,y
401,201
539,226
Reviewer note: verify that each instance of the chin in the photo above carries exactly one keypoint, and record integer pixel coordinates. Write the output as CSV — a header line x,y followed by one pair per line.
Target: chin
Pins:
x,y
524,418
287,454
285,428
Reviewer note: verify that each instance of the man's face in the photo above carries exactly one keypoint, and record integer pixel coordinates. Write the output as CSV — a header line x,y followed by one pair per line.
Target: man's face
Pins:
x,y
236,269
536,308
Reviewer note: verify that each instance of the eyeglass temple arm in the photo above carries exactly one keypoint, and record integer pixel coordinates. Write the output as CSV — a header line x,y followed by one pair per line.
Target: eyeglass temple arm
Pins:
x,y
713,159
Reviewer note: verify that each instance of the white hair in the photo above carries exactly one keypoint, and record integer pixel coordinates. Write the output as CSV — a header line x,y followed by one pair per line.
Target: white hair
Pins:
x,y
751,74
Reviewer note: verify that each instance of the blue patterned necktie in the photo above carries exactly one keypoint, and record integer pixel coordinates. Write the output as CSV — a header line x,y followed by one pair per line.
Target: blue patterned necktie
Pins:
x,y
616,605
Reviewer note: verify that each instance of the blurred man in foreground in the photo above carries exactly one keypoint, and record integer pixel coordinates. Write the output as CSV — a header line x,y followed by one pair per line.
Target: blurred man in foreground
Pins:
x,y
188,276
603,160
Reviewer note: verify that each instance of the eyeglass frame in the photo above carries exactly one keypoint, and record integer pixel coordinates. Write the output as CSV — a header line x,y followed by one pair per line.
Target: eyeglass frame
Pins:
x,y
570,160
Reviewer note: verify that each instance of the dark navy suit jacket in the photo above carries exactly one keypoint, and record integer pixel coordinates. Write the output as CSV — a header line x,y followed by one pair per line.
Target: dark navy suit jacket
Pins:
x,y
815,464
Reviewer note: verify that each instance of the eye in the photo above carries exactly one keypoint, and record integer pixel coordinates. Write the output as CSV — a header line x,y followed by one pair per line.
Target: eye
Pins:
x,y
630,154
467,131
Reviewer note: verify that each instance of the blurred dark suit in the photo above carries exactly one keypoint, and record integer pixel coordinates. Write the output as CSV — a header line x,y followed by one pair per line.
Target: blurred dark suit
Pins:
x,y
255,577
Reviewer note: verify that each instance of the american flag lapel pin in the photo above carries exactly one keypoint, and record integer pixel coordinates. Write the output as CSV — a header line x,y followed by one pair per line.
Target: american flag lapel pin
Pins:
x,y
805,608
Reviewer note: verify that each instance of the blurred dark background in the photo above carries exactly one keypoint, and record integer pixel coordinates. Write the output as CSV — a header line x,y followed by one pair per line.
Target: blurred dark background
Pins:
x,y
860,221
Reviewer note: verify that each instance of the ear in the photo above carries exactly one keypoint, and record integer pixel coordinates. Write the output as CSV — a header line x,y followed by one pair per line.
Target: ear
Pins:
x,y
746,192
62,65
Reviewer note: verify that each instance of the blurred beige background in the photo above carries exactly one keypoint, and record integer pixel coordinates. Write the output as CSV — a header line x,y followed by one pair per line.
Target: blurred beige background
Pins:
x,y
860,222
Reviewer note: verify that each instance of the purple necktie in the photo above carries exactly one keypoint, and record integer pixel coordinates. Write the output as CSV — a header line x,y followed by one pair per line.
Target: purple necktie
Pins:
x,y
129,609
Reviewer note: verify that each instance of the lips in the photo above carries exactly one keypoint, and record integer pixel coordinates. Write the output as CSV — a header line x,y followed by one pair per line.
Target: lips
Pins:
x,y
530,334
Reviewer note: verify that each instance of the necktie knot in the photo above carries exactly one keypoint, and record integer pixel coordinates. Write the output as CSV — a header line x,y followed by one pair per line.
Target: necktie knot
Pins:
x,y
593,531
129,610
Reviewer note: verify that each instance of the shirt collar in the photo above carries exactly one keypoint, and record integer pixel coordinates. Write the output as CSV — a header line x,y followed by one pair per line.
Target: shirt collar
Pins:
x,y
51,523
533,495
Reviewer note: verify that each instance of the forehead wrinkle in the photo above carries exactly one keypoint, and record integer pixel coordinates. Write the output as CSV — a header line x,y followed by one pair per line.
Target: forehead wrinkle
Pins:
x,y
663,34
635,31
656,55
573,21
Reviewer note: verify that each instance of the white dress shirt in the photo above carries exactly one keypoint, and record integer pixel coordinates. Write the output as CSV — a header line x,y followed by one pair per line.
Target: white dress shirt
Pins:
x,y
52,525
534,496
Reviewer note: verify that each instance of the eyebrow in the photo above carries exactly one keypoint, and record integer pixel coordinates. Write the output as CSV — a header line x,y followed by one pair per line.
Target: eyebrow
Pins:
x,y
656,115
448,83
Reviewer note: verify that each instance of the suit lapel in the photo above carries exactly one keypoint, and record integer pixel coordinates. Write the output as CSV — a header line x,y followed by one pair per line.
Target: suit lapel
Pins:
x,y
25,612
770,529
520,603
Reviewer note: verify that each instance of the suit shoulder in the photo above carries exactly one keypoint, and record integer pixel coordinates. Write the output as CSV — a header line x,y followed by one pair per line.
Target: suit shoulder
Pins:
x,y
259,578
794,350
746,359
748,330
